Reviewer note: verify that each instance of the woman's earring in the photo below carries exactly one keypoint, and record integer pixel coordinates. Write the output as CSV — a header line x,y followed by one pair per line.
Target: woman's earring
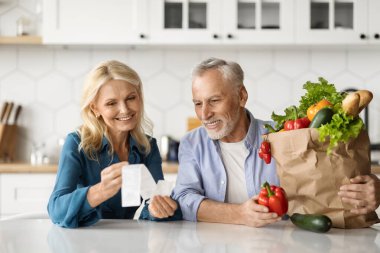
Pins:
x,y
97,115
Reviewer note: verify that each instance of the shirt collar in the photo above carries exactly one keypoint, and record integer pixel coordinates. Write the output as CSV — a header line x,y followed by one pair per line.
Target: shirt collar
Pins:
x,y
132,143
250,139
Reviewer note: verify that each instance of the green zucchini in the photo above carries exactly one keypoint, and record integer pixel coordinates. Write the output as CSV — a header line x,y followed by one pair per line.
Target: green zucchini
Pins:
x,y
313,222
322,117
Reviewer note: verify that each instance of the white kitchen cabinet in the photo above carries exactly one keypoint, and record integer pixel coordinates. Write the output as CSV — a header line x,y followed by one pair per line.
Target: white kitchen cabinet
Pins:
x,y
184,21
373,35
95,22
258,21
338,21
25,192
222,21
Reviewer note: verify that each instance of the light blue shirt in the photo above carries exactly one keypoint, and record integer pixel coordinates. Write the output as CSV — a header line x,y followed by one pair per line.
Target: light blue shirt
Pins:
x,y
202,173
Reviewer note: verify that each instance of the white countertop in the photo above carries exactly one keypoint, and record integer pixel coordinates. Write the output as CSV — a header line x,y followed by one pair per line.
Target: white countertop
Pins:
x,y
111,236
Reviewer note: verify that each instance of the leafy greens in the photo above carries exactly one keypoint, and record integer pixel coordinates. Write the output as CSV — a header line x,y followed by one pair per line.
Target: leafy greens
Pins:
x,y
315,92
342,126
341,129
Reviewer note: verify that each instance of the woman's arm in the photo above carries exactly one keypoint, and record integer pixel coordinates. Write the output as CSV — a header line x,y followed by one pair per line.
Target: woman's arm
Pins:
x,y
68,205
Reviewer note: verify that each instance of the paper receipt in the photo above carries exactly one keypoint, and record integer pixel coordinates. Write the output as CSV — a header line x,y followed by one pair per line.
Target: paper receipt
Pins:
x,y
131,184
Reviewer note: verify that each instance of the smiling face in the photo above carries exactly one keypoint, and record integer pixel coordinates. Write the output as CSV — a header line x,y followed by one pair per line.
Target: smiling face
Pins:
x,y
219,106
118,104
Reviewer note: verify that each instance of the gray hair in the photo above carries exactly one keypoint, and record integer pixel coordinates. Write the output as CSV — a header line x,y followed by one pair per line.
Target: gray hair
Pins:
x,y
230,70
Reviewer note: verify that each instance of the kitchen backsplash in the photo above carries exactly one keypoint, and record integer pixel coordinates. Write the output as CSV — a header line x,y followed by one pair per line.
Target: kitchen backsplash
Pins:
x,y
47,81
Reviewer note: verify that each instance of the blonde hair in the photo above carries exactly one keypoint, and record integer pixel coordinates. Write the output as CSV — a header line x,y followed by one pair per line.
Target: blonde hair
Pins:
x,y
92,130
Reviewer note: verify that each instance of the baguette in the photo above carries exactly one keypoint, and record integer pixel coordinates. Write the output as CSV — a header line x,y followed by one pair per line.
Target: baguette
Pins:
x,y
350,104
365,98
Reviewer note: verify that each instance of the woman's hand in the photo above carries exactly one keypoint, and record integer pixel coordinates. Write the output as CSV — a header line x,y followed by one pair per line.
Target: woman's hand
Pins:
x,y
109,185
363,193
162,206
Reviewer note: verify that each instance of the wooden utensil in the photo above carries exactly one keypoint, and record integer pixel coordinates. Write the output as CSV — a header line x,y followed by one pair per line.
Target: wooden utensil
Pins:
x,y
8,113
4,108
16,114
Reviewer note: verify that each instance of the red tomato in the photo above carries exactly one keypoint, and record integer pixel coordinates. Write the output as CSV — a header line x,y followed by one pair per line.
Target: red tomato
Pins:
x,y
267,158
265,147
301,123
261,154
289,125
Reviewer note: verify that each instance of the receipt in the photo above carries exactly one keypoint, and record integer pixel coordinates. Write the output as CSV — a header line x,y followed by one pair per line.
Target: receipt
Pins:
x,y
131,184
137,183
163,188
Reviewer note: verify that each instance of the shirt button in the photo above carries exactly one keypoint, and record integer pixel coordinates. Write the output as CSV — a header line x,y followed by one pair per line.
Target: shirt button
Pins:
x,y
222,182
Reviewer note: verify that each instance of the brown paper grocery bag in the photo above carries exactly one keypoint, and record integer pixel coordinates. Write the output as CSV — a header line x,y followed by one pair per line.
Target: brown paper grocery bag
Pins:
x,y
311,178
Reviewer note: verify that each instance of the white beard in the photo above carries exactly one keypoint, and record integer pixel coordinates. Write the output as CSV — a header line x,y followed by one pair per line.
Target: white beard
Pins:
x,y
225,131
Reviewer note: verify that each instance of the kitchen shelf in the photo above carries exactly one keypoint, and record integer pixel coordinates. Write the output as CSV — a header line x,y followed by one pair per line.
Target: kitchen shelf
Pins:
x,y
18,40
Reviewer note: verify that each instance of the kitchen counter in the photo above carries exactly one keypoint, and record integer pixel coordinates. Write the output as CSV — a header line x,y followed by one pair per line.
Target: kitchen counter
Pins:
x,y
52,168
40,235
167,167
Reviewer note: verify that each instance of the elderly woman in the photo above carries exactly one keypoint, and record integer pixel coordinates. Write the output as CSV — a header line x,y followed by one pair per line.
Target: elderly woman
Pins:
x,y
113,135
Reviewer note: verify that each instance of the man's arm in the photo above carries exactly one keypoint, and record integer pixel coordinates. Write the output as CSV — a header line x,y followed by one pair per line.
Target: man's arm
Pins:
x,y
248,213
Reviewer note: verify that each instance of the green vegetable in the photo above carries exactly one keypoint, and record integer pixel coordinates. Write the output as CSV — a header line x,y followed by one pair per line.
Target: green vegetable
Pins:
x,y
291,113
341,128
313,222
315,92
322,117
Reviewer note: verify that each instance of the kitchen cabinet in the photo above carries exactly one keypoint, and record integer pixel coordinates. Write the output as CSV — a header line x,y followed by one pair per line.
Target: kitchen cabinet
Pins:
x,y
95,22
338,22
211,22
221,21
184,21
25,192
26,188
258,21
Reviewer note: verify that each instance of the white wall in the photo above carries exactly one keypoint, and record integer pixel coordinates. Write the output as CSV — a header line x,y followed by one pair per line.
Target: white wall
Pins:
x,y
47,81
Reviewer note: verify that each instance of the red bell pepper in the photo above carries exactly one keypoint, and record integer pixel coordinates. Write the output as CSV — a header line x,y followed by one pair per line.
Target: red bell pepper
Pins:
x,y
274,198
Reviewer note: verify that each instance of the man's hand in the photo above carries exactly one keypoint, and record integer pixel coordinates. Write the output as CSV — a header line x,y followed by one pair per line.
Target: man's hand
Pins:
x,y
363,193
255,215
162,206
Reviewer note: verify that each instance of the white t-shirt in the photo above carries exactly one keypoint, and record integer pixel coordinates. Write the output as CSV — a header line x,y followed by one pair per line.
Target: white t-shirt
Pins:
x,y
234,155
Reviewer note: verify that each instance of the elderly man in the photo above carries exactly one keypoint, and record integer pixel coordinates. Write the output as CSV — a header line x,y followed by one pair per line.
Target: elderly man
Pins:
x,y
220,170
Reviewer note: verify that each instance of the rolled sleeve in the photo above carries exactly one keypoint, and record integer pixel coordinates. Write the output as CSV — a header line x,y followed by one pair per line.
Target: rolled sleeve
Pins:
x,y
189,190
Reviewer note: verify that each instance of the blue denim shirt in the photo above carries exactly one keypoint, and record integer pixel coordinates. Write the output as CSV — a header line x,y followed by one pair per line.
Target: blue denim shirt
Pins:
x,y
68,205
202,173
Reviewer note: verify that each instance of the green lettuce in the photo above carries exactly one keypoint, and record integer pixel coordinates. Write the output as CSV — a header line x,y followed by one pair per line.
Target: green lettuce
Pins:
x,y
342,128
315,92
